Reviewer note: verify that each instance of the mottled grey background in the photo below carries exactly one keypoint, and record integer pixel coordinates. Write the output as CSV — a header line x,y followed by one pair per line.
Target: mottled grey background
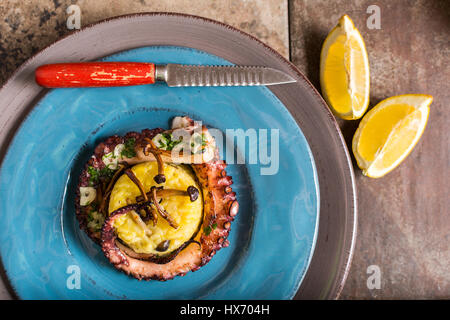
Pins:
x,y
28,26
404,217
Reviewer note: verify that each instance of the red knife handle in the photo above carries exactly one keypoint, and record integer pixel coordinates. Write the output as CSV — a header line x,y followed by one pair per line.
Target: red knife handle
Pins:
x,y
95,74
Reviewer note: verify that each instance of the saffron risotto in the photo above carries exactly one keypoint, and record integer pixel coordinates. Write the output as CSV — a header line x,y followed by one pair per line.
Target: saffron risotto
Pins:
x,y
188,215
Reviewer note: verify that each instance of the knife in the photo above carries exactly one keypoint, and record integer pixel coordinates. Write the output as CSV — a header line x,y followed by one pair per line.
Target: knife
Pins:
x,y
111,74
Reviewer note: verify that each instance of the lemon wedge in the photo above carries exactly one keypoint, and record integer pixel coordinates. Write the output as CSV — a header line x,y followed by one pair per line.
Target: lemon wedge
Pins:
x,y
388,133
344,71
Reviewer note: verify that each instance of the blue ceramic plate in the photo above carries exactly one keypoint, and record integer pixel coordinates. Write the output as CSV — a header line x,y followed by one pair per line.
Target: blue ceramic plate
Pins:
x,y
272,239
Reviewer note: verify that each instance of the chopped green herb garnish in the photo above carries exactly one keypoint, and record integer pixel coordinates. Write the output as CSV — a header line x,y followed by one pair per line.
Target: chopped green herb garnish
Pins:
x,y
129,151
170,142
95,221
204,140
162,144
207,230
93,174
198,143
166,141
173,143
106,172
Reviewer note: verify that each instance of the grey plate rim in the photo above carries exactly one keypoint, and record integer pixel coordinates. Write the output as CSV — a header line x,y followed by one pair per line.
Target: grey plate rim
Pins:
x,y
330,264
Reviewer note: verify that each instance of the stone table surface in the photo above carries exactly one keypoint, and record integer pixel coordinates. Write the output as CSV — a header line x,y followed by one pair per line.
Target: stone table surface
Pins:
x,y
28,26
404,220
404,217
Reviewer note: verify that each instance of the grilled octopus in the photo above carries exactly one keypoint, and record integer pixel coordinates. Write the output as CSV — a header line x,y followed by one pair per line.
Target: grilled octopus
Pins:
x,y
106,166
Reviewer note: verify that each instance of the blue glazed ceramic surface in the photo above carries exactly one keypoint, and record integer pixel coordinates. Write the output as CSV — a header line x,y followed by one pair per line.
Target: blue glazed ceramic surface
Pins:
x,y
42,248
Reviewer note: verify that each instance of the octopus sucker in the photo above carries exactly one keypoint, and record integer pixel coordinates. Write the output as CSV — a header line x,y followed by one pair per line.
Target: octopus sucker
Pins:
x,y
159,205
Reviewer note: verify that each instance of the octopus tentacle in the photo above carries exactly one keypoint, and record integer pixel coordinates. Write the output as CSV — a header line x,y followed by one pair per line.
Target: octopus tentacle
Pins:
x,y
219,209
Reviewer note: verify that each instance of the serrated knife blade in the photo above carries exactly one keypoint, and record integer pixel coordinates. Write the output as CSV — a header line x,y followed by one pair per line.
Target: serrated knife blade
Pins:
x,y
109,74
176,75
